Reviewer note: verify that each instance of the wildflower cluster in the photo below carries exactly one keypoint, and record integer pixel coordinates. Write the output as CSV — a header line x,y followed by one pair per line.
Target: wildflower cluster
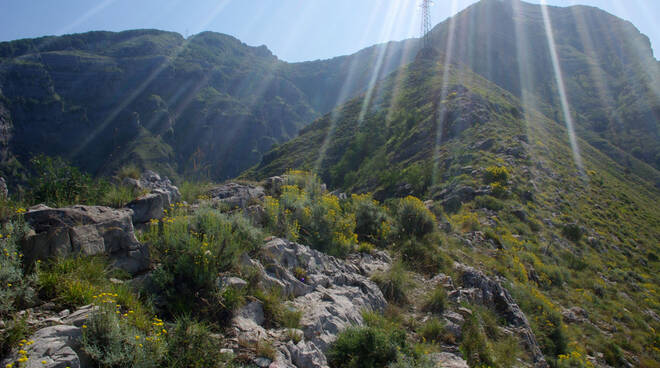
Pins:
x,y
23,355
573,359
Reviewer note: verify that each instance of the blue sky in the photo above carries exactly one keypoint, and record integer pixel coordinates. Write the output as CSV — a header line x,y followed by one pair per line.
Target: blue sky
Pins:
x,y
295,30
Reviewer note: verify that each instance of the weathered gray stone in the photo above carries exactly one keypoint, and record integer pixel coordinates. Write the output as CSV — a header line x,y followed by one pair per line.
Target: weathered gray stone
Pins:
x,y
262,362
236,195
53,347
447,360
331,296
232,282
87,230
493,295
249,317
149,206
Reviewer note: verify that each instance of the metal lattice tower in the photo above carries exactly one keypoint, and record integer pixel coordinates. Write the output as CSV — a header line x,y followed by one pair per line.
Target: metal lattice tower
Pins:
x,y
426,24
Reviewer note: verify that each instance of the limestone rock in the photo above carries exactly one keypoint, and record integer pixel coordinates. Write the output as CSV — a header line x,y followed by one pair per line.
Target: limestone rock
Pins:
x,y
161,195
331,296
447,360
86,230
57,346
149,206
236,195
486,291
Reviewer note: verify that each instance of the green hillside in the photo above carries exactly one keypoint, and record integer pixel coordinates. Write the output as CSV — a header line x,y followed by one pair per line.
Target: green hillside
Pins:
x,y
505,182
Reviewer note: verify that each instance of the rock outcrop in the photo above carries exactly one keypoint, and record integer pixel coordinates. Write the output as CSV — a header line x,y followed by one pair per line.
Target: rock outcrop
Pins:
x,y
330,293
161,195
86,230
55,346
237,195
480,289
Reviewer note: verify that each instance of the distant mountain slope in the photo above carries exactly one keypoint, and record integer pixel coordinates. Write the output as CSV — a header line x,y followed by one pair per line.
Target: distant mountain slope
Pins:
x,y
611,79
506,183
208,105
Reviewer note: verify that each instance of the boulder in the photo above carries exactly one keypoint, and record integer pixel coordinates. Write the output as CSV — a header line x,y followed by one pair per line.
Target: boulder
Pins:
x,y
84,230
52,347
153,182
149,206
237,195
161,195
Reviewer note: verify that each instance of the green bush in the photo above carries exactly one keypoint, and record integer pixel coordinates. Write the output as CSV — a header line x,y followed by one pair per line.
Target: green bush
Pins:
x,y
192,192
572,232
191,251
413,218
423,255
15,330
433,331
393,283
56,183
496,174
276,312
474,345
366,347
112,341
314,218
436,301
118,196
371,220
15,284
128,171
190,345
489,202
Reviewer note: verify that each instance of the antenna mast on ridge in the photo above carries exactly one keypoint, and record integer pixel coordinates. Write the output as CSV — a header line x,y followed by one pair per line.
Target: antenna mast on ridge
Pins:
x,y
426,24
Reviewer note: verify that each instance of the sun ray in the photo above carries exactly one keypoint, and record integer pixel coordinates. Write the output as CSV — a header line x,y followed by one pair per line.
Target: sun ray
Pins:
x,y
563,99
344,92
441,110
375,73
137,91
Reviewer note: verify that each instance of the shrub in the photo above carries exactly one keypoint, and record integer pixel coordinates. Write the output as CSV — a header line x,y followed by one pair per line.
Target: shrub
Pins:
x,y
436,300
59,184
413,218
192,250
474,344
15,285
366,347
194,191
393,283
489,202
276,312
112,341
433,330
119,196
572,232
15,330
314,218
190,345
496,174
423,255
128,171
371,220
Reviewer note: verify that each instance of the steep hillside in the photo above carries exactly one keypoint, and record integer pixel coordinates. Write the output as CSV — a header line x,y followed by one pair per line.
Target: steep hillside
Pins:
x,y
609,73
507,186
204,106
